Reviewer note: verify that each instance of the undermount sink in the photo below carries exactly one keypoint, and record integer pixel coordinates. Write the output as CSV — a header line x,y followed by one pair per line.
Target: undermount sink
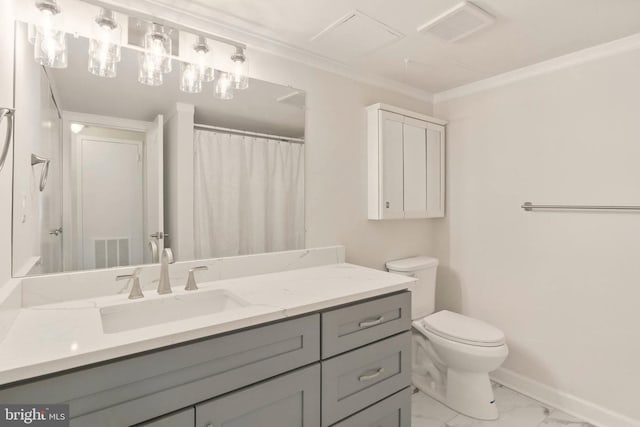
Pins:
x,y
124,317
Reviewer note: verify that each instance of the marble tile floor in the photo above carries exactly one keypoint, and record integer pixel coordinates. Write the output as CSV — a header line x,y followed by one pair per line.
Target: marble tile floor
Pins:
x,y
516,410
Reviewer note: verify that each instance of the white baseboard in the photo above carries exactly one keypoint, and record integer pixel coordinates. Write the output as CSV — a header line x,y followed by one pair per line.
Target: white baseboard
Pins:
x,y
573,405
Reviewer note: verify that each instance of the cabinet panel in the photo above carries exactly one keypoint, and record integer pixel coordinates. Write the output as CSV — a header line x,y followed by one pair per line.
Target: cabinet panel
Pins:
x,y
142,387
346,328
292,400
435,171
186,418
391,131
362,377
394,411
415,169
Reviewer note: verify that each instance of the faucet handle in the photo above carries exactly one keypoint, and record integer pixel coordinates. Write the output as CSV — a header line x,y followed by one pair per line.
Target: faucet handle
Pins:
x,y
167,254
191,280
136,290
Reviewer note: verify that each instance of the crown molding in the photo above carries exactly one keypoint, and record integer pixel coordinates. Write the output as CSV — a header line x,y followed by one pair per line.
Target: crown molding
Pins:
x,y
594,53
265,44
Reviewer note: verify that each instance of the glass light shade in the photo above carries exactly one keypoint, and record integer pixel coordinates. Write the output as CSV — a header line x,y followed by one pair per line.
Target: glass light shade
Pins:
x,y
240,75
149,70
102,67
106,37
50,43
157,44
224,86
203,59
50,48
190,78
206,72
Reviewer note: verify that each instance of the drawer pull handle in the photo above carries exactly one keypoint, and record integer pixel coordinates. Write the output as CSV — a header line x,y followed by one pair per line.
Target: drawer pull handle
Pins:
x,y
367,323
369,377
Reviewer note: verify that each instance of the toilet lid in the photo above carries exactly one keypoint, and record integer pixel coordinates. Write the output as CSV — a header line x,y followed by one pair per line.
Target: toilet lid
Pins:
x,y
463,329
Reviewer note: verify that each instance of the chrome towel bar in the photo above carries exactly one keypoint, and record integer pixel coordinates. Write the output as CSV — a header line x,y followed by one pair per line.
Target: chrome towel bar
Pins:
x,y
528,206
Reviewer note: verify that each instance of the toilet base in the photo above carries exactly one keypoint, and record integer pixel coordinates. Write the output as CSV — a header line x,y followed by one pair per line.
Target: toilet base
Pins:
x,y
468,393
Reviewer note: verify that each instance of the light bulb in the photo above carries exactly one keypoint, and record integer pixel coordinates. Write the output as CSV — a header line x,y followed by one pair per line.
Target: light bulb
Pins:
x,y
202,51
190,79
240,74
50,43
224,86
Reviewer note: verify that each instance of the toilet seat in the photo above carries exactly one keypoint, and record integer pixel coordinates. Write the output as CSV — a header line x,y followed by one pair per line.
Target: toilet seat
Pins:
x,y
461,329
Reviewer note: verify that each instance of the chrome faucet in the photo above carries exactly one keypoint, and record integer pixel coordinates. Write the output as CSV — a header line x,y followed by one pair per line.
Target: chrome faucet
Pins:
x,y
164,287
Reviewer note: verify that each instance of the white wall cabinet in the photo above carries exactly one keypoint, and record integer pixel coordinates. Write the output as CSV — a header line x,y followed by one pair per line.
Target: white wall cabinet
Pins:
x,y
406,164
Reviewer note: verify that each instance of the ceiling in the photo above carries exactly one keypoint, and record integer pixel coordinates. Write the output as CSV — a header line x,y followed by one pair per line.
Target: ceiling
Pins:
x,y
525,32
255,109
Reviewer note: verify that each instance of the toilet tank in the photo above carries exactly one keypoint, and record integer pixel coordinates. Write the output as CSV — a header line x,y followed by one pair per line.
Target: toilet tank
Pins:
x,y
423,292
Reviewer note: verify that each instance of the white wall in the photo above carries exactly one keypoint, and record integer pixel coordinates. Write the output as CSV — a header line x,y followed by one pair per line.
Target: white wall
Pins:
x,y
336,165
564,286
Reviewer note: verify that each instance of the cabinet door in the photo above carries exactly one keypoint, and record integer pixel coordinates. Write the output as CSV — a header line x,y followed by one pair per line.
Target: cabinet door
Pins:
x,y
415,168
291,400
435,170
185,418
391,165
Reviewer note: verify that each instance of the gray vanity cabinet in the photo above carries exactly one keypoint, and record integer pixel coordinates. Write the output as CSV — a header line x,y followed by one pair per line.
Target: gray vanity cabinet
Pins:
x,y
291,400
348,366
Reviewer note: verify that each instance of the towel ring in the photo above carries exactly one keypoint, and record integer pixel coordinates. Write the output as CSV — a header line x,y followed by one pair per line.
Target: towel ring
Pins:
x,y
36,160
8,113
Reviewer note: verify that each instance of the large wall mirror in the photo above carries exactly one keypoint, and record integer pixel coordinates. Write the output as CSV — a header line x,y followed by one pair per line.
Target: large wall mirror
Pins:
x,y
108,171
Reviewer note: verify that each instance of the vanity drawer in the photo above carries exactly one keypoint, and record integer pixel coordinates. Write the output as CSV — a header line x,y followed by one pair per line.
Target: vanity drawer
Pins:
x,y
356,325
394,411
142,387
360,378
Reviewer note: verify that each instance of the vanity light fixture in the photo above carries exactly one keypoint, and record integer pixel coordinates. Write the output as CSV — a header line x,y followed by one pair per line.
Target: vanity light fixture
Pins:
x,y
50,43
240,76
224,86
190,78
203,60
104,46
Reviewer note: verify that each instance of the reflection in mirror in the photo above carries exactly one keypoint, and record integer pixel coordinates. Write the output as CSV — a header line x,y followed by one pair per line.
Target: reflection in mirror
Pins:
x,y
134,168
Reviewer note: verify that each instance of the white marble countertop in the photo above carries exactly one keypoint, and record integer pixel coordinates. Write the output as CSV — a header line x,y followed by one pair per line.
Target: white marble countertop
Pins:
x,y
49,338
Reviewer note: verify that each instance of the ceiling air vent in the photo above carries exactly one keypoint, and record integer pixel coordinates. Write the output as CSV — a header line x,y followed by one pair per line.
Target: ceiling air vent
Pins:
x,y
458,22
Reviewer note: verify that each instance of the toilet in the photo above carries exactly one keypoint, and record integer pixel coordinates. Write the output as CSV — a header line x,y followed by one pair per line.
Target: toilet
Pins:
x,y
452,354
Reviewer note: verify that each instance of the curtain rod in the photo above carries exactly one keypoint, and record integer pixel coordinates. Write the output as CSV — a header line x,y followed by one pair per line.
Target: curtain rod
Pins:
x,y
248,133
